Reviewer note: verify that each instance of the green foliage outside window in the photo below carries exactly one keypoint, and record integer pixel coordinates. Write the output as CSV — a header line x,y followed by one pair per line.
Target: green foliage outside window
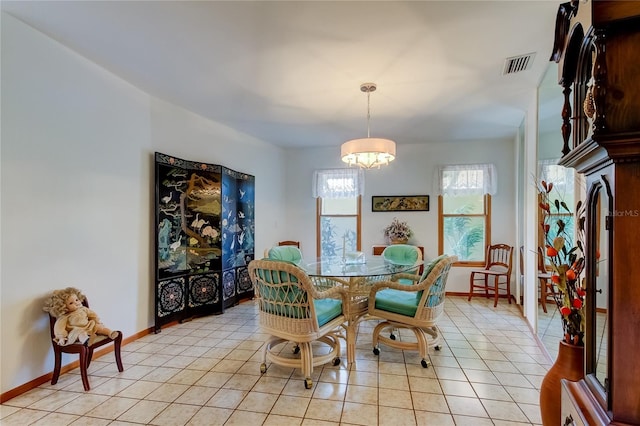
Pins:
x,y
464,235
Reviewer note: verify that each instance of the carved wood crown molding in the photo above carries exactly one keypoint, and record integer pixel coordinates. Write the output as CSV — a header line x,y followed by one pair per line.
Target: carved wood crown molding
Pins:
x,y
563,22
586,157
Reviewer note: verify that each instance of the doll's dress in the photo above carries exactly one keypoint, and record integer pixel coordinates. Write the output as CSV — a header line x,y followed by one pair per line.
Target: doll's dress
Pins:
x,y
79,326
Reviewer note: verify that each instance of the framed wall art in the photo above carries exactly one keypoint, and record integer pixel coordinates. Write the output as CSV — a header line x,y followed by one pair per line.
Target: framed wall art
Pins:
x,y
400,203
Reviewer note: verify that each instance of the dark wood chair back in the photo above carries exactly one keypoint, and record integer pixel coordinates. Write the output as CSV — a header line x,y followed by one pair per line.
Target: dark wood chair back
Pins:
x,y
289,243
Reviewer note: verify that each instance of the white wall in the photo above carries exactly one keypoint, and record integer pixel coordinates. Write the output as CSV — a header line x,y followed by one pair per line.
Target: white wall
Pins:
x,y
411,174
183,134
77,190
550,145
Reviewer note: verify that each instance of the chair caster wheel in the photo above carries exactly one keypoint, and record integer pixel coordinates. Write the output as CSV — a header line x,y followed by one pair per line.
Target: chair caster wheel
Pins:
x,y
296,350
424,364
308,383
263,368
376,351
336,362
437,347
392,336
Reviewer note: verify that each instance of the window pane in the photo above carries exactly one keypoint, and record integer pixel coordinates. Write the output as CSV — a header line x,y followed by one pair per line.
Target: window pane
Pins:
x,y
569,228
337,234
464,237
563,180
338,206
465,204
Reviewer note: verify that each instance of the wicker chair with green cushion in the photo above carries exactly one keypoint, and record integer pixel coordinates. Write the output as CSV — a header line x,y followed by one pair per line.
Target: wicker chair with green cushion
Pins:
x,y
292,310
402,254
286,253
415,307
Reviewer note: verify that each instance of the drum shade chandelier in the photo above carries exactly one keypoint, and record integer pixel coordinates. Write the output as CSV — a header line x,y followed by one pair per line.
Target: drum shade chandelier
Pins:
x,y
368,152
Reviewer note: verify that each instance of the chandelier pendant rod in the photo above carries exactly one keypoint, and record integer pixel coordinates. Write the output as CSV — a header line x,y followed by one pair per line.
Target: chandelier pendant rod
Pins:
x,y
368,113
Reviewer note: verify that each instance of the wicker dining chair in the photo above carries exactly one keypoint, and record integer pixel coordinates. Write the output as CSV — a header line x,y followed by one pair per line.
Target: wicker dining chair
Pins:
x,y
415,307
291,310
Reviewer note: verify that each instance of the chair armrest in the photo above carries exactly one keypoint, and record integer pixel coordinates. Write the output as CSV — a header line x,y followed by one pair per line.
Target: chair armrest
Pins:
x,y
325,283
395,286
332,293
403,275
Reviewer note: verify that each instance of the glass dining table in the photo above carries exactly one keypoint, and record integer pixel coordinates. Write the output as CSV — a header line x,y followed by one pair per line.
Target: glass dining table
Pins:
x,y
357,278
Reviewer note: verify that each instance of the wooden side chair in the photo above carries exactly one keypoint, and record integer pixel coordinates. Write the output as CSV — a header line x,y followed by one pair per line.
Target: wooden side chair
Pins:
x,y
544,279
289,243
84,350
497,269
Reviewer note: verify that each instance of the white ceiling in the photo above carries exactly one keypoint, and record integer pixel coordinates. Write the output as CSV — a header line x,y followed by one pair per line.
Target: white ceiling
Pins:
x,y
290,72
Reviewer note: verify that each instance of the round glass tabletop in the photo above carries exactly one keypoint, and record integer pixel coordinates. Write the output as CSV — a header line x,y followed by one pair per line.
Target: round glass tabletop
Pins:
x,y
338,267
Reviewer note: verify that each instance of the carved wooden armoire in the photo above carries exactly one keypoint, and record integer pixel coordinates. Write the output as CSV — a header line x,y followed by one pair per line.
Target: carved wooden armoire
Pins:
x,y
597,47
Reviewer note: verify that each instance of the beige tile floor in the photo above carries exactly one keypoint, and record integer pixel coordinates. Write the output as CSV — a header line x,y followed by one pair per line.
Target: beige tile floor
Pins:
x,y
207,372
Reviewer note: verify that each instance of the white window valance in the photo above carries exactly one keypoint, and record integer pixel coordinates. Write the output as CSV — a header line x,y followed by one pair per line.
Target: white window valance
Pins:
x,y
467,179
338,183
546,163
563,178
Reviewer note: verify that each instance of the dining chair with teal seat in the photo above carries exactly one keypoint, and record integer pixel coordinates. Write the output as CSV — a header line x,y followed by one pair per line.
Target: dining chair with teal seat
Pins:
x,y
286,253
293,311
403,254
416,308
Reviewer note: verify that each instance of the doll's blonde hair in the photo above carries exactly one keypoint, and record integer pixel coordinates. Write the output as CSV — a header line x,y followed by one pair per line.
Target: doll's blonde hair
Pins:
x,y
56,304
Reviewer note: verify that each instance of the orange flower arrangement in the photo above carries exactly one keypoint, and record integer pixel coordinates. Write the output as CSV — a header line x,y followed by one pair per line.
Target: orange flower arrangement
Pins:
x,y
567,263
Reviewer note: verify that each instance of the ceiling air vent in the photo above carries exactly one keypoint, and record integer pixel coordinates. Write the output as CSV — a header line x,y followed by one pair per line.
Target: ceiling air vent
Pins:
x,y
518,63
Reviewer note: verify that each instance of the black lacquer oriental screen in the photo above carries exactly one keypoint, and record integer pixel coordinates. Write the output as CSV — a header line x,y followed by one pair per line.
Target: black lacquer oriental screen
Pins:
x,y
204,238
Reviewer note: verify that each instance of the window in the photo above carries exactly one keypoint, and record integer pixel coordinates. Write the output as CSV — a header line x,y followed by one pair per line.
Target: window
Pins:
x,y
464,211
339,194
563,179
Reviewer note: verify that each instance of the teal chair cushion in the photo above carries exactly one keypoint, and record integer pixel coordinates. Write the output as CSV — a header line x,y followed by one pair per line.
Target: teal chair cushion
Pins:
x,y
286,253
289,294
396,301
327,309
401,254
